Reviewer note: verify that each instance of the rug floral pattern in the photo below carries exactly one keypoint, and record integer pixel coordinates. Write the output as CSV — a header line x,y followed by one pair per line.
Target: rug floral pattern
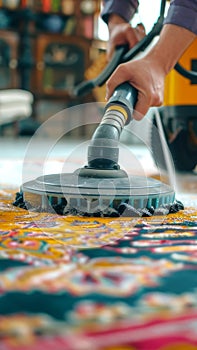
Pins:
x,y
101,283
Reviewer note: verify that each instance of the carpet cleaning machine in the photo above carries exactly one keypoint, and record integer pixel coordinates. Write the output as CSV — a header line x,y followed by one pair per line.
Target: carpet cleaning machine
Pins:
x,y
179,114
101,188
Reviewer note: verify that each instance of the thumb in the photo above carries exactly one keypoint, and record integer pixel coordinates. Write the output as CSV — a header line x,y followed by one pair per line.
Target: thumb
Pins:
x,y
115,80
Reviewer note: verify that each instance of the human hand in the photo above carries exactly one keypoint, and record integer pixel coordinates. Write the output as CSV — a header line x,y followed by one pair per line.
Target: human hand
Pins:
x,y
121,33
147,76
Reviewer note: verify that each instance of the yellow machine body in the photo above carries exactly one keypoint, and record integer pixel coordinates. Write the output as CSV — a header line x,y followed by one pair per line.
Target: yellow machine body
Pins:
x,y
179,114
179,90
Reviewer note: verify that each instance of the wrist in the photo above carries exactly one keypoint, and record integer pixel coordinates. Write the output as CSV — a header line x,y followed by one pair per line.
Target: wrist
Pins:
x,y
172,43
114,20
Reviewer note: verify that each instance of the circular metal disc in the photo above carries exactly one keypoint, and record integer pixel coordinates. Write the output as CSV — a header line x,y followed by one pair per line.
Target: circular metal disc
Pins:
x,y
73,184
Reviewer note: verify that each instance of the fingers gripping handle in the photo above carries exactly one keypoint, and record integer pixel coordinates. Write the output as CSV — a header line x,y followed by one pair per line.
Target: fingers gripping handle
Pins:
x,y
125,96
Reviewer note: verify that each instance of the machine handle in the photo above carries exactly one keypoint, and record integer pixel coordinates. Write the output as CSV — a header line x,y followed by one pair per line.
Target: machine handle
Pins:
x,y
124,95
86,86
189,74
122,54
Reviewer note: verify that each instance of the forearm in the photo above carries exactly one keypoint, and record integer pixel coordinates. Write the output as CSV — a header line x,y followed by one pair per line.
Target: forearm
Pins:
x,y
114,20
172,43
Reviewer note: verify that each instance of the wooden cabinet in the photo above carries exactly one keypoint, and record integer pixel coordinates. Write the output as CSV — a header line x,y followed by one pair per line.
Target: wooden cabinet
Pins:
x,y
60,63
45,45
9,42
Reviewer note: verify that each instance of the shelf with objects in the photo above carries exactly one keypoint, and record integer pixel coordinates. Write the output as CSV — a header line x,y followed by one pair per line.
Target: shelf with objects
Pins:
x,y
61,62
53,48
8,59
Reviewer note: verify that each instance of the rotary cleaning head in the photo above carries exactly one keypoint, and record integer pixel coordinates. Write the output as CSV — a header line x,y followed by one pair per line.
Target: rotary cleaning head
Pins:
x,y
100,194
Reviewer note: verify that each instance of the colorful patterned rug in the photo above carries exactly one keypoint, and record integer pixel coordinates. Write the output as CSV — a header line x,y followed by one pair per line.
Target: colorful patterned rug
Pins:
x,y
74,283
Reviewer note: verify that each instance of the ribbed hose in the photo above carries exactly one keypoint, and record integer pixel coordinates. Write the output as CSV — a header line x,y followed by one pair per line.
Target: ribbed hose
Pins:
x,y
103,151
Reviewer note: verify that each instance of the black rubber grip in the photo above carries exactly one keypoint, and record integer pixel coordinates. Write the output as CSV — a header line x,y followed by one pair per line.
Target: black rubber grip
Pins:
x,y
125,95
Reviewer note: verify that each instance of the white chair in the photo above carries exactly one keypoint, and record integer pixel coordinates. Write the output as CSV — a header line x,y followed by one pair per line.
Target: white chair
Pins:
x,y
15,105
